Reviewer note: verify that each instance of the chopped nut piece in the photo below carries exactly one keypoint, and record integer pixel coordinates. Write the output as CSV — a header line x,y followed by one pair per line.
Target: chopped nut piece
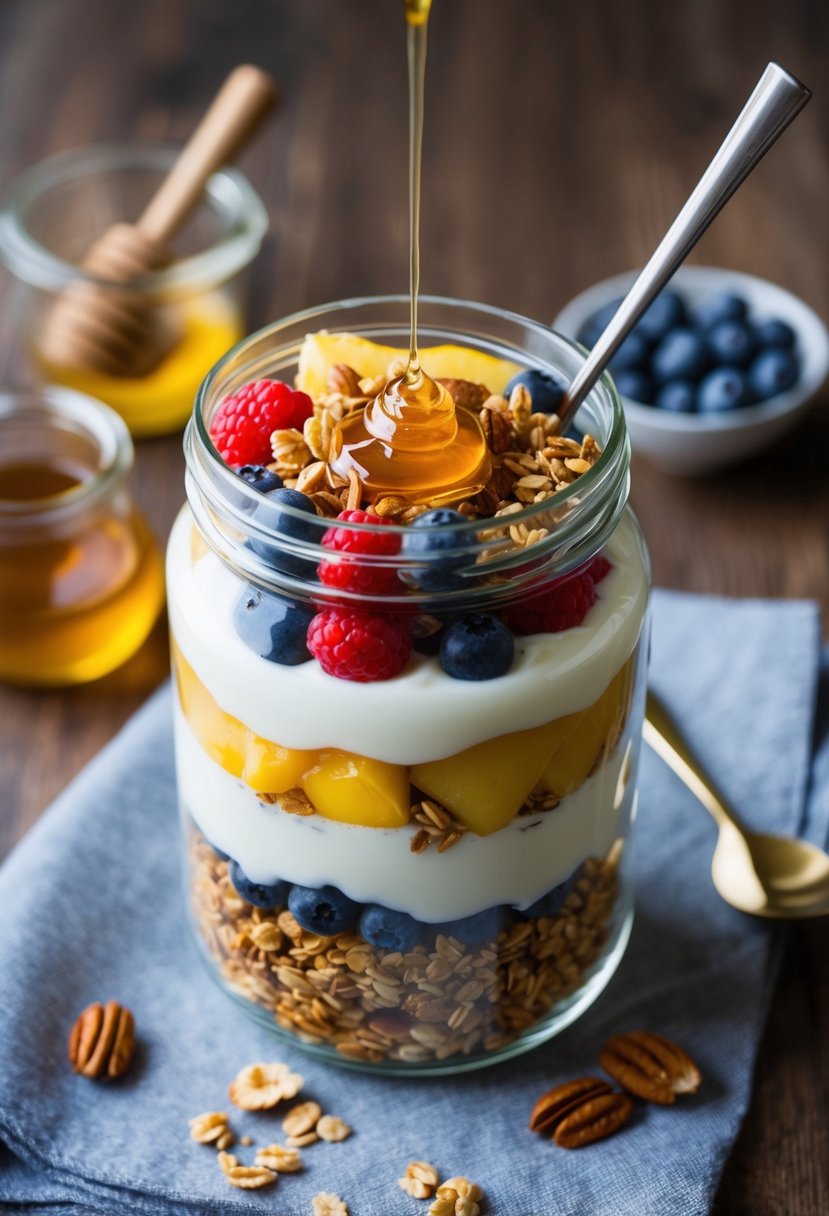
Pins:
x,y
328,1204
245,1177
419,1180
102,1040
463,1187
333,1128
262,1086
282,1160
209,1127
301,1119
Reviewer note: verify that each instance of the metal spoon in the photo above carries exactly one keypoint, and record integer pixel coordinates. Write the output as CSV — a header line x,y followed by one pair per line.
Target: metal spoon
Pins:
x,y
774,876
777,99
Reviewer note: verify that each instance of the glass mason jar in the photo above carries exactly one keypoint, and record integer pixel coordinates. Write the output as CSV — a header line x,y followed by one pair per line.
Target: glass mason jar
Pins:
x,y
60,207
81,577
421,874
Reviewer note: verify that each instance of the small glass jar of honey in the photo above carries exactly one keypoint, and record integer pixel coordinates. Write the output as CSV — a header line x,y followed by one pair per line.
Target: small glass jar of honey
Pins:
x,y
52,216
81,581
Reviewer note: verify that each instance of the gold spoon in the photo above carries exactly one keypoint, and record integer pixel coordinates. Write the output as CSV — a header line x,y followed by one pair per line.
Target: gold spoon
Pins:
x,y
774,876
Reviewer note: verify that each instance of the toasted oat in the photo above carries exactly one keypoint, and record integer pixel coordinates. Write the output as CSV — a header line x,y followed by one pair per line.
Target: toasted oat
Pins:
x,y
277,1157
327,1204
301,1141
333,1128
225,1141
245,1177
263,1086
296,802
267,936
302,1118
246,1141
290,452
209,1127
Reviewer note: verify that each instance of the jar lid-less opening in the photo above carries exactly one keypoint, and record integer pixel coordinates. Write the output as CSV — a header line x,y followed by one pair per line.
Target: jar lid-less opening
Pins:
x,y
240,525
66,430
234,204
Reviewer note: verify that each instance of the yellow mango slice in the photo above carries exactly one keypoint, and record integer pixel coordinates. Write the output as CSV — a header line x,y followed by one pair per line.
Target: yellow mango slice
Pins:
x,y
320,352
357,789
222,736
486,785
597,729
272,769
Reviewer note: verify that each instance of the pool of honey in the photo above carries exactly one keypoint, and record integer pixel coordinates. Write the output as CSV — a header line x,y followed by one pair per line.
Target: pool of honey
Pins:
x,y
76,599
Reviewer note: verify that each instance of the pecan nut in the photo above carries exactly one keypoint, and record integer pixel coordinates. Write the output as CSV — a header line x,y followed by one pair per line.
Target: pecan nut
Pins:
x,y
102,1040
650,1066
343,379
465,393
595,1119
554,1106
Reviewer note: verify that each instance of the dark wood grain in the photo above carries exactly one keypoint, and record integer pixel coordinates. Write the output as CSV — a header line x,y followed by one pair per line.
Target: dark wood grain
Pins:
x,y
561,139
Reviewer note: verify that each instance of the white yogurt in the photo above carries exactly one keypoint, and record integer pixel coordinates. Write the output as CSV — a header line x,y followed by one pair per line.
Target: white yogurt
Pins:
x,y
514,866
422,714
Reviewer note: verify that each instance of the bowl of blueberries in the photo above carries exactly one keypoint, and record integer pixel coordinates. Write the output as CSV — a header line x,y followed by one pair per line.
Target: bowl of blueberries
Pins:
x,y
719,366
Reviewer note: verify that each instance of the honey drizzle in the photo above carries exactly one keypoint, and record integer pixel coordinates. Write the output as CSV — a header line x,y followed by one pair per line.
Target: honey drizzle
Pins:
x,y
417,14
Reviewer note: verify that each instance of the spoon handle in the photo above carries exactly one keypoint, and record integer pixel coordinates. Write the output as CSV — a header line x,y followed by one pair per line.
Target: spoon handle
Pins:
x,y
777,99
660,732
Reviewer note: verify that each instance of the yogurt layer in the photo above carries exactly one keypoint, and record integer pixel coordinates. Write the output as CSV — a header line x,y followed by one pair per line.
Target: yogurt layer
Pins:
x,y
422,714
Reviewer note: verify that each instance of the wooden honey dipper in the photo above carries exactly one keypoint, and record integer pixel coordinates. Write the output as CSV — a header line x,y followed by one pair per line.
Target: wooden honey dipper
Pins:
x,y
119,332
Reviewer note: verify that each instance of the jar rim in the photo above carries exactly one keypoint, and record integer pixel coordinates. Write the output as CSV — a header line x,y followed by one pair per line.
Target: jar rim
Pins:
x,y
606,483
230,192
80,415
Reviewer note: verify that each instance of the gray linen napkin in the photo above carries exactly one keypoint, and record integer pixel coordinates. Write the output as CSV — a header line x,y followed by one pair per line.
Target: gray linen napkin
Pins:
x,y
92,909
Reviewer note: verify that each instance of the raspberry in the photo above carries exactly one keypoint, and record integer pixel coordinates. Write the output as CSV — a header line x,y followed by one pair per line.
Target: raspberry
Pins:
x,y
557,606
356,645
242,426
349,573
599,567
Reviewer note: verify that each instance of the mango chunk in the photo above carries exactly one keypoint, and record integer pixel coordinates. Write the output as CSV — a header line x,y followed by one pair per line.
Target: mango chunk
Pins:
x,y
222,736
597,729
357,789
272,769
486,785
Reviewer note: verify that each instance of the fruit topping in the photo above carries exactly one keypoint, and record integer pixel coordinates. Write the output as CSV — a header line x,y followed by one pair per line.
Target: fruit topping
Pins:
x,y
262,479
631,354
433,537
477,647
357,645
730,343
722,389
242,426
545,390
665,313
358,789
599,567
286,525
273,769
681,353
559,605
273,627
772,372
636,384
550,903
388,929
348,573
676,396
721,306
774,333
590,733
473,930
323,910
256,893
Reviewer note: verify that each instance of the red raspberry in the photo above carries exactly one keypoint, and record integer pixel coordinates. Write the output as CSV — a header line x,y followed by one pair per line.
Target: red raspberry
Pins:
x,y
243,424
358,645
557,606
349,573
599,567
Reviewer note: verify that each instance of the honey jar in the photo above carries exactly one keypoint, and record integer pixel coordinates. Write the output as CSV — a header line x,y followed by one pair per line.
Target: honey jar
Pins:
x,y
81,581
58,209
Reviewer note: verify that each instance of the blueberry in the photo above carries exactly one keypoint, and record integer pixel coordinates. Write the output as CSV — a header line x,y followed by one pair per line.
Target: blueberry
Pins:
x,y
477,647
633,353
550,903
636,385
594,326
273,627
546,391
433,537
323,910
730,343
269,516
680,355
472,930
257,893
722,306
721,390
772,372
388,929
775,333
262,479
676,396
664,314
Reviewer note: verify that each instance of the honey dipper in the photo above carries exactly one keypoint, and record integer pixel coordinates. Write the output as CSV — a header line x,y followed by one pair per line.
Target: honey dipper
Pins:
x,y
121,333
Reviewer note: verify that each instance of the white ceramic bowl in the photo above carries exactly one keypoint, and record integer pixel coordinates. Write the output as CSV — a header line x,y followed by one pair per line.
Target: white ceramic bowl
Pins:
x,y
693,444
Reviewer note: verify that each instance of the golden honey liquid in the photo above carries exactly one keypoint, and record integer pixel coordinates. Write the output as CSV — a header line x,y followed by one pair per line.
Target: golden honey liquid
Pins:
x,y
75,606
411,440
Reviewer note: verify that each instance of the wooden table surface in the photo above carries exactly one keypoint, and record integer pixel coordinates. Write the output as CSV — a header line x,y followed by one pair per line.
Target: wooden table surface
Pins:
x,y
561,140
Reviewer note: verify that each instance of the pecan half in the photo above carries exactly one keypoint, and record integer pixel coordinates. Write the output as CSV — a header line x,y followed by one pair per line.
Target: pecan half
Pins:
x,y
650,1066
101,1041
343,379
593,1120
559,1101
465,393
